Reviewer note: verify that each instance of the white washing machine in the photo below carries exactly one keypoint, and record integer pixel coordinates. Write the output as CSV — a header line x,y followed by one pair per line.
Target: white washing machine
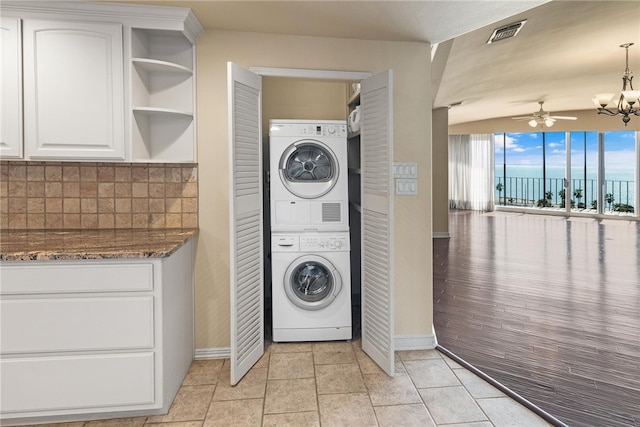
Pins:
x,y
308,175
311,288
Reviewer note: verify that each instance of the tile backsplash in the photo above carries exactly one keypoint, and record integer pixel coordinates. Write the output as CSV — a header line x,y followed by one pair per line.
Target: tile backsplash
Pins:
x,y
62,195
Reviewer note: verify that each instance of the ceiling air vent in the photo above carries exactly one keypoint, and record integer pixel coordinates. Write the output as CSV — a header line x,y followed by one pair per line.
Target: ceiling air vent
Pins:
x,y
506,32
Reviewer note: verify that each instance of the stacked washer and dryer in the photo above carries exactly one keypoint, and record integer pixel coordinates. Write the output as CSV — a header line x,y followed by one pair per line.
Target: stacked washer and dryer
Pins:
x,y
310,247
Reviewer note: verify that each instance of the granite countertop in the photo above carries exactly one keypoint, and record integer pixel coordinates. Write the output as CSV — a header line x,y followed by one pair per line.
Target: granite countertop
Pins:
x,y
32,245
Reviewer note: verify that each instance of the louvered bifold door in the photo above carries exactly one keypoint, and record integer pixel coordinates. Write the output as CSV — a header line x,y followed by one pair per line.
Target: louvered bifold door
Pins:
x,y
377,219
245,220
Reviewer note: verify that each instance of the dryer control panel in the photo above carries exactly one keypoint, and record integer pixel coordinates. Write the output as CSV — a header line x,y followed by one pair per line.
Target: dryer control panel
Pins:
x,y
323,128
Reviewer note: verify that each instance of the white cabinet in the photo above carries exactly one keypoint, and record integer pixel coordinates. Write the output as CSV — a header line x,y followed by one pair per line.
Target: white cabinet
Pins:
x,y
77,383
94,338
132,328
115,82
162,96
10,89
73,90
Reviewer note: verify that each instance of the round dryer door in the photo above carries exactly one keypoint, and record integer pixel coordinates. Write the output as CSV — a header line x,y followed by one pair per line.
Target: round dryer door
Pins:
x,y
312,282
309,169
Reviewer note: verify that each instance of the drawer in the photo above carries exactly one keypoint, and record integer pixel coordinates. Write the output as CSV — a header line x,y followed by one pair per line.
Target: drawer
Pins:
x,y
34,277
76,324
73,382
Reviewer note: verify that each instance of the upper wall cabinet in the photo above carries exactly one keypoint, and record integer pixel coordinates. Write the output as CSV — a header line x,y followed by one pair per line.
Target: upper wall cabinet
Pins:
x,y
115,82
10,89
73,91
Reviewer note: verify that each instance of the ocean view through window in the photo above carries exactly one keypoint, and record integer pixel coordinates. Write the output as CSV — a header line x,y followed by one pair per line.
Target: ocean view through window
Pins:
x,y
531,171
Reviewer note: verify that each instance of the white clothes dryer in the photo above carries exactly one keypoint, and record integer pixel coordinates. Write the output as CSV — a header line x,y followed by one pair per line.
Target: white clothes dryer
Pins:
x,y
308,175
311,287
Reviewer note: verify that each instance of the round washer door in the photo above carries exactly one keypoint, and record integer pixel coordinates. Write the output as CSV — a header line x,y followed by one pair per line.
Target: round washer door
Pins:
x,y
309,169
312,282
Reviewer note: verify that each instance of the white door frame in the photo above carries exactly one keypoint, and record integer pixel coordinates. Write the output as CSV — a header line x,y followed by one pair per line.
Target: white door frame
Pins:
x,y
302,73
320,75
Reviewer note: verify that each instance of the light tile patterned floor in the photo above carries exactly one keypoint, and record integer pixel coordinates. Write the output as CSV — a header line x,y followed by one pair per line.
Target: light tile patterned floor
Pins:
x,y
335,384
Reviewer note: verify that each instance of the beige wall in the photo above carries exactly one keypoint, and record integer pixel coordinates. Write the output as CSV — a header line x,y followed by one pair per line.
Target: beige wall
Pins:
x,y
587,120
440,150
412,134
288,98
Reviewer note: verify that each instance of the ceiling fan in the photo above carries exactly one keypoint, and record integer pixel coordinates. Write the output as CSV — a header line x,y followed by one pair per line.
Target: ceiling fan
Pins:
x,y
542,118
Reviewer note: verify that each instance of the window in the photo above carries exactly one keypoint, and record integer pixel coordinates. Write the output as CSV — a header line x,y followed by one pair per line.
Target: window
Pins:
x,y
531,171
584,171
619,169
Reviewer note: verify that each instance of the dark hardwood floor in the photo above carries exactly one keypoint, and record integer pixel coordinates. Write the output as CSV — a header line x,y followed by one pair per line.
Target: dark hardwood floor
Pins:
x,y
549,307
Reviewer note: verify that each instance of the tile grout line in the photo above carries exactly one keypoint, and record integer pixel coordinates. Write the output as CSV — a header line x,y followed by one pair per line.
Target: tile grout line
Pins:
x,y
366,387
315,381
512,395
475,399
266,386
424,404
215,387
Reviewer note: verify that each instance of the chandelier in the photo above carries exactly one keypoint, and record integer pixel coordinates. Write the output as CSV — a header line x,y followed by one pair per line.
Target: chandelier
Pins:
x,y
624,104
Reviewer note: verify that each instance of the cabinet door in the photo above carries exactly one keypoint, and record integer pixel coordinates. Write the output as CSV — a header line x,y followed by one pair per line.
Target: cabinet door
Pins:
x,y
246,262
77,383
377,219
100,328
73,90
10,89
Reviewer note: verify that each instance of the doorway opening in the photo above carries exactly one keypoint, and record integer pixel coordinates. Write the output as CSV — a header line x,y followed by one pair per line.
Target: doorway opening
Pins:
x,y
246,206
313,99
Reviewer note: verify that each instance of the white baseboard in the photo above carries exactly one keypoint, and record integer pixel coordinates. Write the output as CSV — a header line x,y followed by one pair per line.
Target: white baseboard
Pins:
x,y
441,235
213,353
401,342
415,342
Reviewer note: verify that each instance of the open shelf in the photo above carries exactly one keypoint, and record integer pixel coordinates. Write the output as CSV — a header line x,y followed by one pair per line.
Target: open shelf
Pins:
x,y
162,96
157,65
161,111
355,199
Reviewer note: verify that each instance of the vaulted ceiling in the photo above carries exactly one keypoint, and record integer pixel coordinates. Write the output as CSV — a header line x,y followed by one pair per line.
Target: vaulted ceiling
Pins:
x,y
566,52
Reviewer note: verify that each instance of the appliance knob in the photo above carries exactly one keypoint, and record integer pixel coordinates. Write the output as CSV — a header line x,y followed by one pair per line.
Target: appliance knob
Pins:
x,y
331,129
338,244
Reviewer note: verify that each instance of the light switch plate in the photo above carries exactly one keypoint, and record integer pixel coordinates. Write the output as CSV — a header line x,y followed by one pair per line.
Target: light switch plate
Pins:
x,y
406,187
405,170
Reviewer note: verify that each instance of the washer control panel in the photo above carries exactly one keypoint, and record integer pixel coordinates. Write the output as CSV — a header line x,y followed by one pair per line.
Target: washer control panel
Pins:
x,y
324,242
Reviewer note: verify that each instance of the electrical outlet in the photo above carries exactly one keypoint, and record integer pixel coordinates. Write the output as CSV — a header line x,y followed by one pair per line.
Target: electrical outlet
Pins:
x,y
406,187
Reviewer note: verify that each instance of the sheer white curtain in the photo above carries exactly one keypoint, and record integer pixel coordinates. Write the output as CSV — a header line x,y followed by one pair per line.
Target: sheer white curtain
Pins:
x,y
471,172
459,169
